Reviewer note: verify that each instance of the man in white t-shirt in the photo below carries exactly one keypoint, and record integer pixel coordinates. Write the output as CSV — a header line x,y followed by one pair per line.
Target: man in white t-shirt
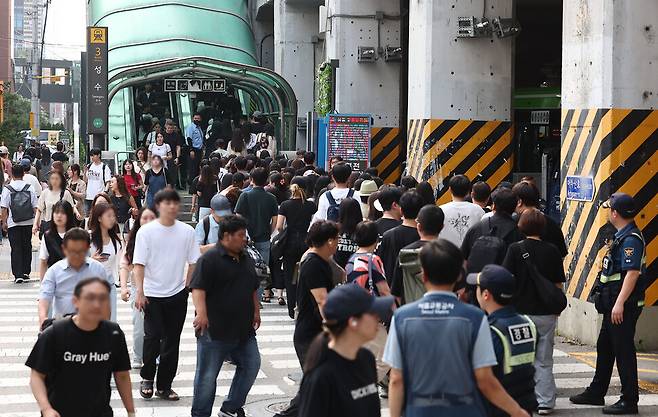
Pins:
x,y
328,203
460,214
162,250
29,178
97,177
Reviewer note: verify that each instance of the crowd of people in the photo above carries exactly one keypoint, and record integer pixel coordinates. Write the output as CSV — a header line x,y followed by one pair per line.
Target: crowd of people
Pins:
x,y
444,310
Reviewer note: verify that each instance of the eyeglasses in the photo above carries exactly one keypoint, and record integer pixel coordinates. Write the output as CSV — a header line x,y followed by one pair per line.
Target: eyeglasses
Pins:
x,y
92,298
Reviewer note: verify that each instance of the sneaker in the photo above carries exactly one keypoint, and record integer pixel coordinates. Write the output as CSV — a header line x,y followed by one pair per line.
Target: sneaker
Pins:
x,y
26,277
586,398
19,280
135,364
383,391
544,411
621,407
238,413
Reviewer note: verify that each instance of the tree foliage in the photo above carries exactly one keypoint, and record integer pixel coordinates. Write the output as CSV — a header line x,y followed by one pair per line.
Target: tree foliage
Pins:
x,y
17,118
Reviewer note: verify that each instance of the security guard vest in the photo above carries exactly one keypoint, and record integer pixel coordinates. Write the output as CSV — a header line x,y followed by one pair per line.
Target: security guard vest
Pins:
x,y
436,335
518,336
612,275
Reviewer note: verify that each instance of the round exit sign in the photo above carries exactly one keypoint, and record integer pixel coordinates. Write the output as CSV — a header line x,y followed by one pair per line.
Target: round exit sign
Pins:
x,y
98,123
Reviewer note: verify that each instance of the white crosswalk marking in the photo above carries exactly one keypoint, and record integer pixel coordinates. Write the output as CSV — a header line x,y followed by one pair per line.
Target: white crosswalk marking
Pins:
x,y
18,331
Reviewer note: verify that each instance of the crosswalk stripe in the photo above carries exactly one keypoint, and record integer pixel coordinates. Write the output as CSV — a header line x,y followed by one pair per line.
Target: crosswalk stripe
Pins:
x,y
261,338
128,317
127,328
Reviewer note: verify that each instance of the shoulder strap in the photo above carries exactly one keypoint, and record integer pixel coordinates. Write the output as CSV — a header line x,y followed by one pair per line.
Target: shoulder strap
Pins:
x,y
26,187
370,284
330,198
350,193
104,172
11,189
206,229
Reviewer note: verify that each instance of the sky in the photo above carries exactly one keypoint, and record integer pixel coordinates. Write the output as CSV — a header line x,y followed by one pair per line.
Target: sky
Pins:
x,y
65,29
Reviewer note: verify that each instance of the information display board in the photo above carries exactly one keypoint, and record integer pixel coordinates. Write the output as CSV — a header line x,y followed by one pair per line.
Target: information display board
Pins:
x,y
348,136
191,85
96,71
580,188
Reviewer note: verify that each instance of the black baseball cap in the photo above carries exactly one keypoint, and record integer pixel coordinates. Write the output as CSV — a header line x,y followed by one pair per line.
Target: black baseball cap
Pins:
x,y
351,300
496,279
622,203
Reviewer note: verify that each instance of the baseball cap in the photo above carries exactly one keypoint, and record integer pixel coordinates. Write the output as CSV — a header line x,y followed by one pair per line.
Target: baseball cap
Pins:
x,y
221,205
4,149
621,203
496,279
25,162
351,300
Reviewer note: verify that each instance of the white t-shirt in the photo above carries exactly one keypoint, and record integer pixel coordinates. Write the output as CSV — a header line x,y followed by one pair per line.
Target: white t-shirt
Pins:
x,y
459,217
161,150
96,180
323,203
112,264
5,202
32,180
164,251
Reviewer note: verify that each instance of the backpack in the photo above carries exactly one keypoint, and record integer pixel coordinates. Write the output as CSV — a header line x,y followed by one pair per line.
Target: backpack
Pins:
x,y
412,275
551,297
490,248
20,204
333,211
206,229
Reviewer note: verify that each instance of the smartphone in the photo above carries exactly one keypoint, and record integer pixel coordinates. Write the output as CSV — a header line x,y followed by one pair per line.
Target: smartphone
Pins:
x,y
105,256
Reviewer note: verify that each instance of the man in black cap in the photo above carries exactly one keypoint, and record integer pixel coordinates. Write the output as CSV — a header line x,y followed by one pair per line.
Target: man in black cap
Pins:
x,y
514,336
620,299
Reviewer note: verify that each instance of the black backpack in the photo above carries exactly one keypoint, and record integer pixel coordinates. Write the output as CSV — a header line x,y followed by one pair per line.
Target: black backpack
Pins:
x,y
206,229
20,204
333,212
551,297
489,248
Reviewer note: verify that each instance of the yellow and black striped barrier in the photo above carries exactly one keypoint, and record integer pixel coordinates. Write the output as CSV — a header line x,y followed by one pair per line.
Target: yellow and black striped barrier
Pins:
x,y
617,148
438,149
386,153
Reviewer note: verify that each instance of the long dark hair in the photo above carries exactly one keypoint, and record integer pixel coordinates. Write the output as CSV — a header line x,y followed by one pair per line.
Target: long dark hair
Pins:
x,y
45,156
65,207
123,188
145,152
130,245
317,351
133,173
237,140
349,215
207,176
95,226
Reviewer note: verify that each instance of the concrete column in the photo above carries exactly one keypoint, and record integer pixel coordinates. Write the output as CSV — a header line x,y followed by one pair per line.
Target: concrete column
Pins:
x,y
460,92
295,55
372,87
610,133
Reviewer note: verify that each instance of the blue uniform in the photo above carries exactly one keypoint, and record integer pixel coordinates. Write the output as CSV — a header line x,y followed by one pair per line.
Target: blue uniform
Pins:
x,y
616,341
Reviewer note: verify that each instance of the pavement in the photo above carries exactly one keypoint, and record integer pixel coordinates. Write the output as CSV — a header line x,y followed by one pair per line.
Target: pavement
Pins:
x,y
277,380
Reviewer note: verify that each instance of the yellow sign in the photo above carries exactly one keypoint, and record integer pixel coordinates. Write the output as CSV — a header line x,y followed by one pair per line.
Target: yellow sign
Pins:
x,y
53,137
97,35
31,120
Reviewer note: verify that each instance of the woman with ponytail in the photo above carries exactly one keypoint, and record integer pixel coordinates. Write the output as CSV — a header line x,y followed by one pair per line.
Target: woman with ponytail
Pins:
x,y
340,377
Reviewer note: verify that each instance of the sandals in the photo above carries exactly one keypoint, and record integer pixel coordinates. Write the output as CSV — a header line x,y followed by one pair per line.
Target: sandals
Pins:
x,y
146,389
266,298
167,394
282,301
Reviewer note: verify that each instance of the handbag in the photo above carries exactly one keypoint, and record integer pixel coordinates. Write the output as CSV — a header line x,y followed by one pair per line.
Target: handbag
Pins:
x,y
279,244
550,296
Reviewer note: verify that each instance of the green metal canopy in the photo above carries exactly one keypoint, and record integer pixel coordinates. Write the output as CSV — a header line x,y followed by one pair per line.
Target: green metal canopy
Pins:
x,y
151,40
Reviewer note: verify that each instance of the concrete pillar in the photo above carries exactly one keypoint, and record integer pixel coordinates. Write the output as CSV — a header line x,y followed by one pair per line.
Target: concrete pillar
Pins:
x,y
610,133
295,55
372,87
460,92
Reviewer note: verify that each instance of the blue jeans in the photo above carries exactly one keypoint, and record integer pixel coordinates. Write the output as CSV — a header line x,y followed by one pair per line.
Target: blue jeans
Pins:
x,y
210,355
138,328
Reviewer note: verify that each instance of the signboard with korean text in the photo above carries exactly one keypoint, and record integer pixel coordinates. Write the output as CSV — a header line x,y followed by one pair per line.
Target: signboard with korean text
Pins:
x,y
195,85
540,117
96,71
348,136
580,188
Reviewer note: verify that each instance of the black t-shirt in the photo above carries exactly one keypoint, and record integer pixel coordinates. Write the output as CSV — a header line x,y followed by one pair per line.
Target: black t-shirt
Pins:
x,y
392,242
258,207
553,234
298,214
173,139
346,248
59,156
397,282
384,225
314,273
207,191
548,261
229,284
78,365
341,387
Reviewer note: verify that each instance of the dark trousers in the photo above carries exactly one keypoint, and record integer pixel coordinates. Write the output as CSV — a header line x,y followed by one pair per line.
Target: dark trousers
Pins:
x,y
616,343
301,343
172,174
193,162
295,248
20,239
163,324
